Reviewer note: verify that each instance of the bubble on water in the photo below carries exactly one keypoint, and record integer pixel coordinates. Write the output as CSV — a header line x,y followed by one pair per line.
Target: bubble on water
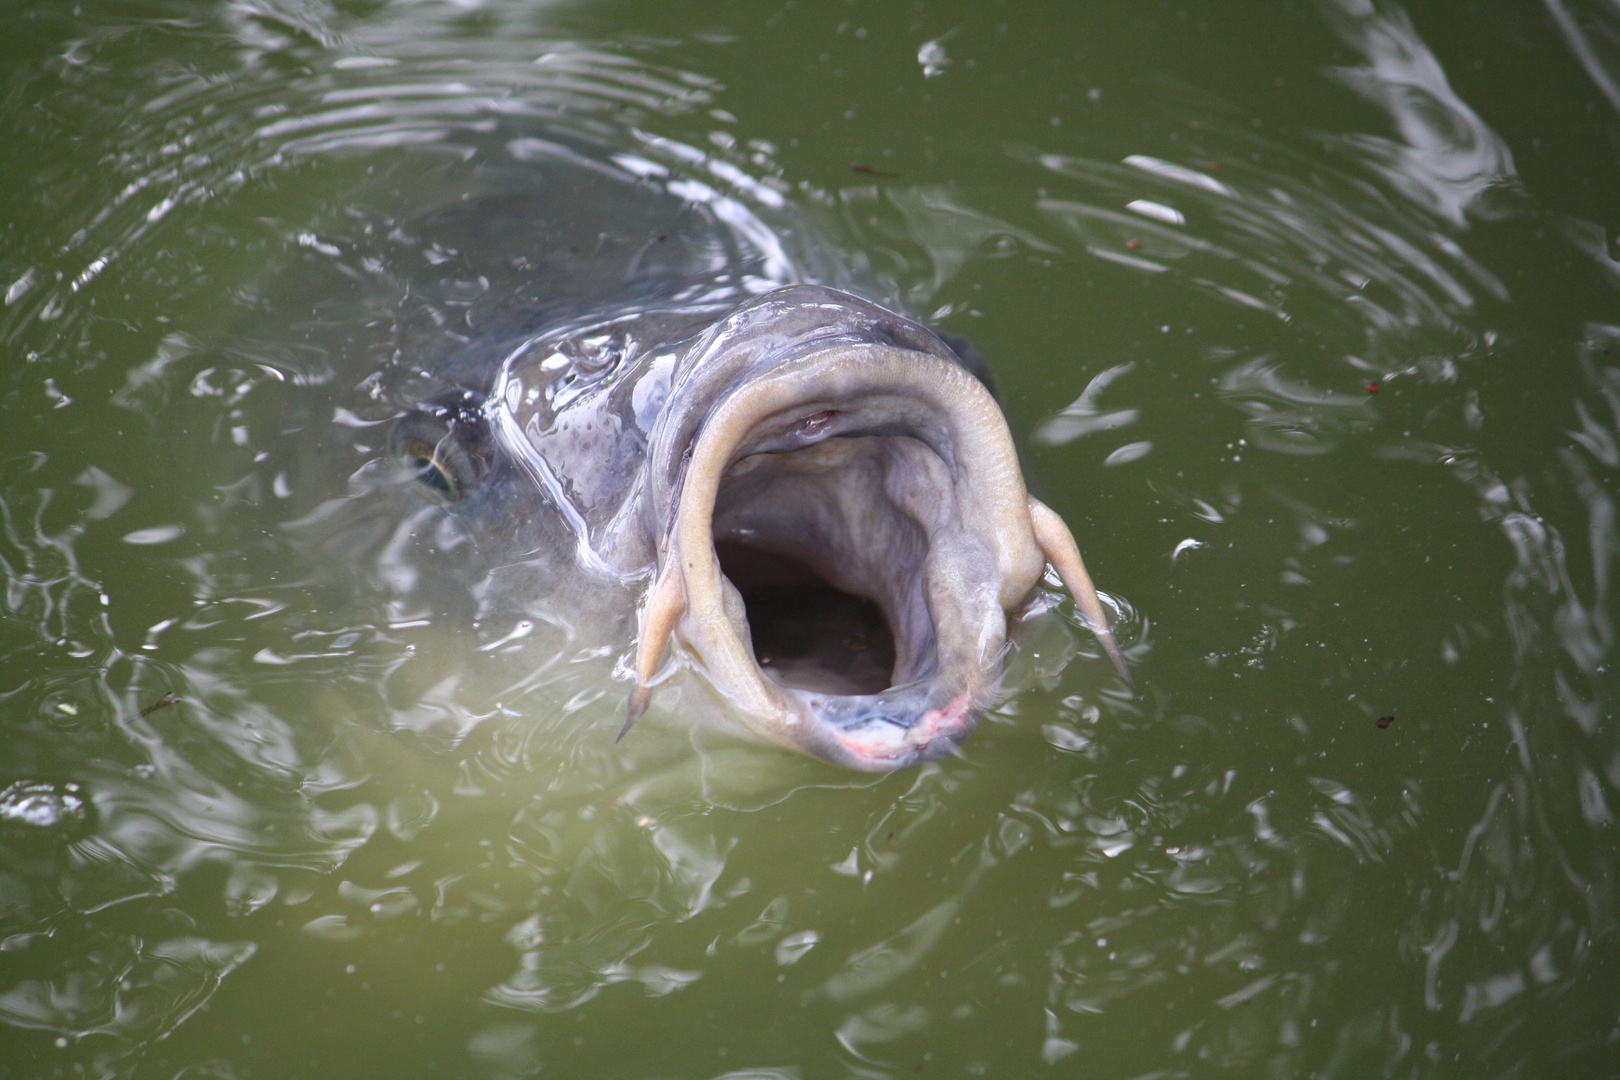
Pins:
x,y
931,55
45,805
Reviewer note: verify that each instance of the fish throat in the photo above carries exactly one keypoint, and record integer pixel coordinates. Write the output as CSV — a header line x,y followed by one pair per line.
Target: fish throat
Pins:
x,y
828,549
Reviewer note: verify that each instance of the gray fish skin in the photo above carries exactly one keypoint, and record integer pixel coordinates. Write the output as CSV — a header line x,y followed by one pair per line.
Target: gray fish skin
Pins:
x,y
709,462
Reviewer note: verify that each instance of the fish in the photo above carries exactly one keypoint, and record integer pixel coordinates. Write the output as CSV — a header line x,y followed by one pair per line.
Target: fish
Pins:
x,y
808,499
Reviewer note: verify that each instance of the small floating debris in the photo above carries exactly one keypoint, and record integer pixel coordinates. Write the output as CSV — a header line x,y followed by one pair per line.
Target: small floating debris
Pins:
x,y
1372,388
161,703
1384,722
868,170
1186,545
932,57
157,534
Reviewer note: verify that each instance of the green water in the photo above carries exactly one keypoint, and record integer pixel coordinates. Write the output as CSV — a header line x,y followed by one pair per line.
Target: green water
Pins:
x,y
1191,239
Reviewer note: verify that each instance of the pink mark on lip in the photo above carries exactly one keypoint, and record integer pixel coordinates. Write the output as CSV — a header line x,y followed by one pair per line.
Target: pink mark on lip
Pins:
x,y
951,723
948,722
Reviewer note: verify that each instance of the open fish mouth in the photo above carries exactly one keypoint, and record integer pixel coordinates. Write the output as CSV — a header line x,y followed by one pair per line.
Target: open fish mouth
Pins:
x,y
844,531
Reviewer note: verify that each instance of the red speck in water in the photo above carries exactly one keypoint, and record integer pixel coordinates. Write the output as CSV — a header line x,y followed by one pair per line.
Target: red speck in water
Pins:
x,y
1133,243
1384,721
1372,388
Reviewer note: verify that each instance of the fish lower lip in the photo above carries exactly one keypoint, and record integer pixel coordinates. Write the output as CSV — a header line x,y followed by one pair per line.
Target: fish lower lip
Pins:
x,y
879,733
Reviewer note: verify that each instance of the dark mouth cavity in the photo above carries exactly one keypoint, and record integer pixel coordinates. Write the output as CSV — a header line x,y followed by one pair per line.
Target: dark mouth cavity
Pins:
x,y
826,545
807,634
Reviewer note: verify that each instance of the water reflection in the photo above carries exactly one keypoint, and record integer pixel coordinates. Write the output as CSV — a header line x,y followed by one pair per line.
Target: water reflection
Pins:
x,y
1386,266
1448,157
130,993
1272,238
256,766
1593,33
924,235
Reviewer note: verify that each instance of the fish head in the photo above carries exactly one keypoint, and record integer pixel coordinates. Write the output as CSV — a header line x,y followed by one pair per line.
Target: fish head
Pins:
x,y
842,530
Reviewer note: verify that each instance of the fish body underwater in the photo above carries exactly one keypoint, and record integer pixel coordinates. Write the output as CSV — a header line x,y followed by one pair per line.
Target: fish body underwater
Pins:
x,y
613,387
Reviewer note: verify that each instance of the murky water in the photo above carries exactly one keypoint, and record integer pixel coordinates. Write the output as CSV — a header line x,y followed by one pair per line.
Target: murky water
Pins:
x,y
1307,318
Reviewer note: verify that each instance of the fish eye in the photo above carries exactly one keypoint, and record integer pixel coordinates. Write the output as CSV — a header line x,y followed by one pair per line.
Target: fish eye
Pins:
x,y
436,466
444,446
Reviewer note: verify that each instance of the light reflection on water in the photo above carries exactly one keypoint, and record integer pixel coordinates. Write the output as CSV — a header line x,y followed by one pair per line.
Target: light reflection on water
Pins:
x,y
374,824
